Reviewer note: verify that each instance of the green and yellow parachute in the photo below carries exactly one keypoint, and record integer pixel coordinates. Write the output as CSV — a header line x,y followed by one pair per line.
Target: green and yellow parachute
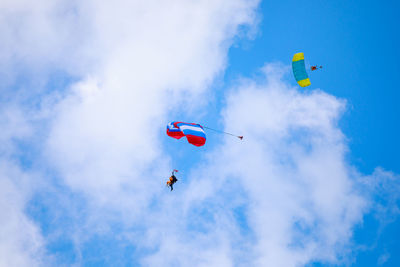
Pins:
x,y
299,70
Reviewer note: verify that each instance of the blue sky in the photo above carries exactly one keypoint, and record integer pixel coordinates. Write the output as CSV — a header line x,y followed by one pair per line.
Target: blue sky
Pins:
x,y
357,44
88,88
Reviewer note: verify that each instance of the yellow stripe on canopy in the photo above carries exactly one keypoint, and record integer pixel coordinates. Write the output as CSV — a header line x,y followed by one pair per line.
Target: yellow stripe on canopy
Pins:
x,y
304,83
298,56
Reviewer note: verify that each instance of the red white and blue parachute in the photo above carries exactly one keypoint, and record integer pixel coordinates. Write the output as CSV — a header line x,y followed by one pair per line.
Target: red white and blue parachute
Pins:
x,y
194,132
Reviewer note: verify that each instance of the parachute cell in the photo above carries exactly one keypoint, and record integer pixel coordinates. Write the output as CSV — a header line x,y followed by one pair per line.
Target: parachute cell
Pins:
x,y
299,70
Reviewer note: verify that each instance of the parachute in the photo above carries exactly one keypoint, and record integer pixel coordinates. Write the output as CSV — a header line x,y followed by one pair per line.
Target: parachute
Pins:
x,y
299,70
194,132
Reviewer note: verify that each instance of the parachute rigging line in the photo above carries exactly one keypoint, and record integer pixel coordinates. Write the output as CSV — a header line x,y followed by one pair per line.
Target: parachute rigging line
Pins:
x,y
222,132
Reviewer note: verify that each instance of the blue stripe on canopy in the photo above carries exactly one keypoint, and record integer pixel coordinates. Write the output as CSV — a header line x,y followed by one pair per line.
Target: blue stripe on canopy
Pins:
x,y
299,70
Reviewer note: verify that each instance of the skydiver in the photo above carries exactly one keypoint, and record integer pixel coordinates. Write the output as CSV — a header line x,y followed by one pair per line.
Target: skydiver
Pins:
x,y
172,180
315,67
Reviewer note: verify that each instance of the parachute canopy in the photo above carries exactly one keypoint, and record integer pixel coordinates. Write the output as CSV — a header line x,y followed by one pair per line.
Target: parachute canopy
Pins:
x,y
194,132
299,70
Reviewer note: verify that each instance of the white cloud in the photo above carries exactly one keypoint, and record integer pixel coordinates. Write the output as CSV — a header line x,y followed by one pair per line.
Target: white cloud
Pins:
x,y
14,127
21,243
292,165
301,198
137,60
106,132
284,196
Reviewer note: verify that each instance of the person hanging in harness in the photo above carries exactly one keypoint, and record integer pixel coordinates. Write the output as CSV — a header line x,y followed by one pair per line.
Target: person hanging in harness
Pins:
x,y
172,179
315,68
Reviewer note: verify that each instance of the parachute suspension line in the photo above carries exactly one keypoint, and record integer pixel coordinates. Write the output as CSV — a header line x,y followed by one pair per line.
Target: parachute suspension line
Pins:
x,y
222,132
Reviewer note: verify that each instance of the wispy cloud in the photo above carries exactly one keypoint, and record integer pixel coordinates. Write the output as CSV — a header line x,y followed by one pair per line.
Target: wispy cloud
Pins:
x,y
21,243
